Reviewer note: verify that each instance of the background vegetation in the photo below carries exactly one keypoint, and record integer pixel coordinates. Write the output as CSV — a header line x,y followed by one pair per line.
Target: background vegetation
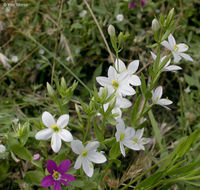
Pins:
x,y
51,37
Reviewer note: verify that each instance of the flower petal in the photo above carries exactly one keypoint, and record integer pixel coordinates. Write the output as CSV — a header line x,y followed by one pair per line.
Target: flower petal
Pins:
x,y
172,68
96,157
65,135
134,80
123,102
112,73
78,162
120,125
171,40
88,167
48,119
177,57
103,81
136,146
182,47
44,134
130,132
139,133
92,145
133,66
47,181
67,178
145,140
122,149
77,146
186,56
119,65
57,185
166,45
164,102
55,142
63,121
153,55
51,165
127,90
159,91
64,166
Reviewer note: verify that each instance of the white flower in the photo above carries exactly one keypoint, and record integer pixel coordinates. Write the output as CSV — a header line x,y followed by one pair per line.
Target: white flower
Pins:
x,y
4,60
120,17
41,51
2,148
124,136
55,130
87,155
120,103
130,70
116,82
83,13
176,49
138,141
187,90
156,97
14,59
166,67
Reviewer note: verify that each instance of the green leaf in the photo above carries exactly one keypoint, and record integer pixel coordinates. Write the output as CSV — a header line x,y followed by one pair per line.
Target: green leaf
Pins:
x,y
34,177
77,183
22,152
114,151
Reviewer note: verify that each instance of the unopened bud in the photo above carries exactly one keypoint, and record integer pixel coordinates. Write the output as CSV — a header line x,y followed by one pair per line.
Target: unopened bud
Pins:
x,y
36,157
2,148
111,30
50,90
155,25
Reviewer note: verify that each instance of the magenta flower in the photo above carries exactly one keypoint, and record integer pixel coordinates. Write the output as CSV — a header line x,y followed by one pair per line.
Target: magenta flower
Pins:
x,y
143,3
57,175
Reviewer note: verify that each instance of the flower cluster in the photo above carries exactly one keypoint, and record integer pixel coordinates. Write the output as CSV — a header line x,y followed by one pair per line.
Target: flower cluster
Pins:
x,y
135,4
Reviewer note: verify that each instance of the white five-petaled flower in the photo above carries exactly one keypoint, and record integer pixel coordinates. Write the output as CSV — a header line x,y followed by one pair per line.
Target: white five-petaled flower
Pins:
x,y
176,49
138,141
130,70
83,13
120,103
120,17
87,155
2,148
124,136
156,97
167,67
55,130
118,82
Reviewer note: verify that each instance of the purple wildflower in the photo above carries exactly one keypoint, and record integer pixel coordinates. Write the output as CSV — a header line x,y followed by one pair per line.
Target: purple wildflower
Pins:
x,y
132,5
57,175
143,3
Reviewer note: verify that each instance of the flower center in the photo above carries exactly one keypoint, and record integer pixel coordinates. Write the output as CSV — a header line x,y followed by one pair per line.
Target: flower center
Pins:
x,y
84,153
115,84
55,128
175,48
56,175
157,98
122,136
135,140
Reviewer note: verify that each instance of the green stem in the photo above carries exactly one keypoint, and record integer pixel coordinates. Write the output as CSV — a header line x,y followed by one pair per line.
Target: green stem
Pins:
x,y
107,168
87,130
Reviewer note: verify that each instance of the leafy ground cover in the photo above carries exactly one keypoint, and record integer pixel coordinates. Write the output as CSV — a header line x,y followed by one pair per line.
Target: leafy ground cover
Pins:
x,y
55,57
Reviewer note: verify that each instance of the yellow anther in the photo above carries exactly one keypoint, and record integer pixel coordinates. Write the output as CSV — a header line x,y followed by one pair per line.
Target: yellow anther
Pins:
x,y
115,84
56,175
55,128
84,153
175,48
135,140
122,136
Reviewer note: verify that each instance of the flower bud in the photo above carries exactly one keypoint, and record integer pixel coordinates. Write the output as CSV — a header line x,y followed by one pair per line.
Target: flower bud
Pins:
x,y
50,90
36,157
111,30
2,148
155,25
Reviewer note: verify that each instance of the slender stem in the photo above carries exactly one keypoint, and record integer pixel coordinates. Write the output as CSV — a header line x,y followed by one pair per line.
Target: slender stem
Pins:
x,y
56,44
100,30
102,128
87,130
107,168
